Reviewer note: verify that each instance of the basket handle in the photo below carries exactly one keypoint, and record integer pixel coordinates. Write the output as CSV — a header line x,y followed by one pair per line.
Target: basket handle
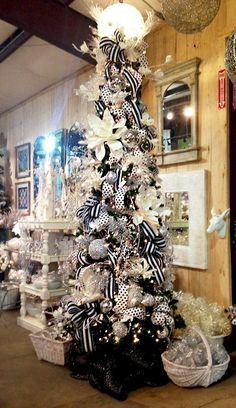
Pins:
x,y
208,350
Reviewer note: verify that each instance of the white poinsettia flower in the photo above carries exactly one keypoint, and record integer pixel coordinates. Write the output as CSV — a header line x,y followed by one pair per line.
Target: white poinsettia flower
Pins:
x,y
150,207
146,119
102,133
141,268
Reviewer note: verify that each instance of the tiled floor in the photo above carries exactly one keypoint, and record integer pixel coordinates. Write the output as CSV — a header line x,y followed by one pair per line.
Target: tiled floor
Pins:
x,y
26,382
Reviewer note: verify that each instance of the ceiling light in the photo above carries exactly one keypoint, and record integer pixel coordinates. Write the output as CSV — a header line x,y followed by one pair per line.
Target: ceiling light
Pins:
x,y
122,17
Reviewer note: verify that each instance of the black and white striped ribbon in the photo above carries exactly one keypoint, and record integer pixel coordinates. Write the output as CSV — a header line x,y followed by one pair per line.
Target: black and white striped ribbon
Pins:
x,y
82,317
112,49
100,108
153,251
112,257
89,211
134,82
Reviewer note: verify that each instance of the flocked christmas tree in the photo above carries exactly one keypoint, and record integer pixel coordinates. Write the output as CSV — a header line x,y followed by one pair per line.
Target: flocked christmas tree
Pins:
x,y
122,311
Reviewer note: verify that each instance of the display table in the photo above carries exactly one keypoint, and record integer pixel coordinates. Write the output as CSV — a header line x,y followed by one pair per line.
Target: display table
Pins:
x,y
50,231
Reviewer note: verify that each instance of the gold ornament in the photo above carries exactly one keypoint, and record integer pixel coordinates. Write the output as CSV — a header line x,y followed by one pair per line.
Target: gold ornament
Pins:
x,y
189,16
230,57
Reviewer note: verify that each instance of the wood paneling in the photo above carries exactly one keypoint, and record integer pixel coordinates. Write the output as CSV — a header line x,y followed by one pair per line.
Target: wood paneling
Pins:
x,y
209,46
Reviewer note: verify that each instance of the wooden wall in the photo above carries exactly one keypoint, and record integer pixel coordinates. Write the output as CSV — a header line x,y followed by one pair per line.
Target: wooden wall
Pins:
x,y
59,107
55,108
209,46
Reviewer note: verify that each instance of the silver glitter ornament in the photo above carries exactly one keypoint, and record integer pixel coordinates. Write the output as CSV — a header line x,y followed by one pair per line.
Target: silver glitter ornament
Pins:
x,y
148,300
106,306
230,57
120,329
189,16
111,177
97,249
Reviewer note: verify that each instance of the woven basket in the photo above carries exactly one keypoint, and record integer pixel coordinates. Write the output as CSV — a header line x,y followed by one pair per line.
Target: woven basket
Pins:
x,y
51,350
195,376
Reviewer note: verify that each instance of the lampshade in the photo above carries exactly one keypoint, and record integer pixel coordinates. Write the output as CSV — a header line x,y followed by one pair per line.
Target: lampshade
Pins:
x,y
123,17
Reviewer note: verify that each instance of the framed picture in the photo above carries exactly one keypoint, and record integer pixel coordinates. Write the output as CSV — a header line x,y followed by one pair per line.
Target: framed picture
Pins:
x,y
186,196
23,160
23,197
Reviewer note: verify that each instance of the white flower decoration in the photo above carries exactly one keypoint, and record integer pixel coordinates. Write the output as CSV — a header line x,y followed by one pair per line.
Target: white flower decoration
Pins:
x,y
102,133
149,207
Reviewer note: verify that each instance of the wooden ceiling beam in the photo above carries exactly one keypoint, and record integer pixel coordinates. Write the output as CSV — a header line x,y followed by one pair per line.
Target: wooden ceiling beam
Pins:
x,y
50,20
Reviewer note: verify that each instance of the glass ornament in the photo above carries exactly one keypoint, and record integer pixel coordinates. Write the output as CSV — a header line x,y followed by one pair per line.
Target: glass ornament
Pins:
x,y
189,16
230,57
106,306
120,329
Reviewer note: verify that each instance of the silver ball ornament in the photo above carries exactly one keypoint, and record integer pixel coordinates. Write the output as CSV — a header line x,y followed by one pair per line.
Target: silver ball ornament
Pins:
x,y
120,329
97,250
106,306
111,177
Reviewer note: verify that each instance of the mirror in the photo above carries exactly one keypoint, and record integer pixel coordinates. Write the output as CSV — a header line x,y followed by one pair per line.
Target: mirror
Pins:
x,y
177,112
177,103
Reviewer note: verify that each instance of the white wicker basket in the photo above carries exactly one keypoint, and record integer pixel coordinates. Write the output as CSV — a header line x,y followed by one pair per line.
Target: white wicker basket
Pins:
x,y
51,350
195,376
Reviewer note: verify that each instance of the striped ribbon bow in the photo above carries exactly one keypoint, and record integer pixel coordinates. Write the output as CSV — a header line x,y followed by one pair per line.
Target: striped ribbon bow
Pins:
x,y
82,317
89,211
112,49
153,251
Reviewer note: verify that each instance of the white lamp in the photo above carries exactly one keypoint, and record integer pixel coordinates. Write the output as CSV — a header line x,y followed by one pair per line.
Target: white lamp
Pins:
x,y
123,17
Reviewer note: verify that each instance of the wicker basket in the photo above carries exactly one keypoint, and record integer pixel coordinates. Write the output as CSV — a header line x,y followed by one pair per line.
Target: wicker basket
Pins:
x,y
195,376
51,350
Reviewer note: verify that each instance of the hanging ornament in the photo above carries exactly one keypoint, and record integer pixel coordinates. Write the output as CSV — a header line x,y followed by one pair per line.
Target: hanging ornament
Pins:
x,y
230,57
189,16
120,329
148,300
97,249
106,306
111,177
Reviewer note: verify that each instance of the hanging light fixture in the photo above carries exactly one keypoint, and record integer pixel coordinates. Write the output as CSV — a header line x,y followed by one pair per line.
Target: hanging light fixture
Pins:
x,y
124,17
189,16
230,57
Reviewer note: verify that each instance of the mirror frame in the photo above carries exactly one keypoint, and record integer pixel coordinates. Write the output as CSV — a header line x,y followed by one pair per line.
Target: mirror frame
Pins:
x,y
186,72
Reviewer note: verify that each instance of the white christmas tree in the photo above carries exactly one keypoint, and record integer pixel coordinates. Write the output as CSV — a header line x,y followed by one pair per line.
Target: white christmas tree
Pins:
x,y
122,310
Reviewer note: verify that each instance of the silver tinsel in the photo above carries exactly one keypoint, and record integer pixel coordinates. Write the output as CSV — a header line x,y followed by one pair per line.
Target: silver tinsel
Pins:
x,y
97,249
230,57
120,329
189,16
